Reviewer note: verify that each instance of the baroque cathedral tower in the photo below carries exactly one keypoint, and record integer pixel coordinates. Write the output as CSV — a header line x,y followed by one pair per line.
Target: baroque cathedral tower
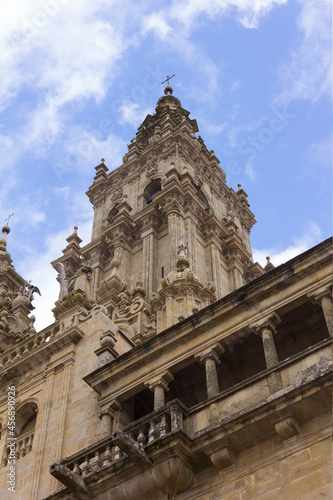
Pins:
x,y
176,367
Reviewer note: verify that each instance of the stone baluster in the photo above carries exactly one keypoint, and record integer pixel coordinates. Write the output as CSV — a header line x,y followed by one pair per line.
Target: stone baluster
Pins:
x,y
96,462
159,386
76,468
176,419
210,358
141,439
266,328
163,426
323,297
117,453
153,432
85,467
107,458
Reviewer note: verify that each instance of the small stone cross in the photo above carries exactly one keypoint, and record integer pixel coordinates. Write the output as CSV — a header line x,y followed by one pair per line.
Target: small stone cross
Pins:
x,y
7,220
168,78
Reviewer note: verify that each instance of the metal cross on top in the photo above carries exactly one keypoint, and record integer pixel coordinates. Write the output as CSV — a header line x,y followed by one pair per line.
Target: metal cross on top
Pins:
x,y
7,220
168,78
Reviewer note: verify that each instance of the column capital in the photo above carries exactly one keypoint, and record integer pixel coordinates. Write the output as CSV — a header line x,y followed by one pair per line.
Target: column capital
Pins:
x,y
212,352
317,295
115,405
161,380
107,412
267,322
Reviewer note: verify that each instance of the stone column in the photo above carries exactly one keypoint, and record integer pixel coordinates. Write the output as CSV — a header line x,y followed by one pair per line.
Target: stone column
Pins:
x,y
324,299
159,386
266,328
106,419
211,359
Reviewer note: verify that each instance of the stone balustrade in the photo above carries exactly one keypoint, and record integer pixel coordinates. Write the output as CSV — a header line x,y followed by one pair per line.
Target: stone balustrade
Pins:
x,y
23,446
130,442
25,347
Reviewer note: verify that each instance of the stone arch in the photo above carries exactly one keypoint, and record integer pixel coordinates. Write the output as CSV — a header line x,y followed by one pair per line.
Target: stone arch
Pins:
x,y
112,214
26,417
151,189
203,197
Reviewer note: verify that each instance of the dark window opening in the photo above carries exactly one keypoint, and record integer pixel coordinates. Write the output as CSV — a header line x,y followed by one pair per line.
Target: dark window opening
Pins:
x,y
151,190
112,214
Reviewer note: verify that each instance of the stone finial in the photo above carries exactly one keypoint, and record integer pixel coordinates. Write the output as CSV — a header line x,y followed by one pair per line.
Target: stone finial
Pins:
x,y
168,89
3,242
269,266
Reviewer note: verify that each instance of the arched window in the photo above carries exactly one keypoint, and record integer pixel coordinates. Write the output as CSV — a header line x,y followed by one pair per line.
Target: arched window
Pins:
x,y
25,424
112,214
202,197
151,190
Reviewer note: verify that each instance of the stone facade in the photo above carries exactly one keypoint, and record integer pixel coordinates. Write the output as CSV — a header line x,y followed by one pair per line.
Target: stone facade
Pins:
x,y
176,367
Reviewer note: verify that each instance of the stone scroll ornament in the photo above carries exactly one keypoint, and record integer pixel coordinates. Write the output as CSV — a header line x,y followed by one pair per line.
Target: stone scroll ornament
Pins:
x,y
60,268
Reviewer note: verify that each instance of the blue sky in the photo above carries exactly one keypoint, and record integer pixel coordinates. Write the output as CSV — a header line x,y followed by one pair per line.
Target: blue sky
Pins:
x,y
78,77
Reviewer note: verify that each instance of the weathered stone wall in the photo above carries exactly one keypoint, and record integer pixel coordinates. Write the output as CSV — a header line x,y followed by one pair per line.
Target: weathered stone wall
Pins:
x,y
263,474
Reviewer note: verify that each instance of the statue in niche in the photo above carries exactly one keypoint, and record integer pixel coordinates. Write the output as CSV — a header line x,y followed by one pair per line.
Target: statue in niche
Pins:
x,y
81,278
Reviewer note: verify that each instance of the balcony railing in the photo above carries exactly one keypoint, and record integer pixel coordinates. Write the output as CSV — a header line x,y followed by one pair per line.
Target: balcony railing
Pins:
x,y
23,446
130,442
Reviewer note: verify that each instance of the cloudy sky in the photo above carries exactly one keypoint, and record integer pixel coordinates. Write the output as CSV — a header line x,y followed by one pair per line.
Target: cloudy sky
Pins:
x,y
77,78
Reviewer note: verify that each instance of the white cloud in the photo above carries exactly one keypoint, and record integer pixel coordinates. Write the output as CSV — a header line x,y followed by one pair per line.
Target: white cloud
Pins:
x,y
156,23
308,73
42,274
132,113
84,146
280,255
247,12
42,49
249,171
320,153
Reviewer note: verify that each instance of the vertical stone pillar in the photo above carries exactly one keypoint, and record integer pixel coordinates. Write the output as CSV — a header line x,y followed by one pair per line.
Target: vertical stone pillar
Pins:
x,y
98,216
191,223
211,359
148,239
174,230
266,328
115,411
106,418
324,299
159,386
214,247
63,398
42,425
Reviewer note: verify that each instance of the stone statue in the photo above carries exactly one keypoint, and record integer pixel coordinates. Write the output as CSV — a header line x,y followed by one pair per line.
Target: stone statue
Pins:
x,y
60,268
28,290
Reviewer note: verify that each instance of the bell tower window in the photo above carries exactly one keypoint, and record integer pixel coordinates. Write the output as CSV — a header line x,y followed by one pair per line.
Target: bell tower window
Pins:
x,y
151,190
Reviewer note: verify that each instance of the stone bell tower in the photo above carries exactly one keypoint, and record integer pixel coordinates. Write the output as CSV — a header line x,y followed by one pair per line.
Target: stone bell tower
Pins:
x,y
169,236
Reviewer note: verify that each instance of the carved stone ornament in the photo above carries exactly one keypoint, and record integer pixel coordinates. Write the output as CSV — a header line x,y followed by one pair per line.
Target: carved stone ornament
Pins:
x,y
287,428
